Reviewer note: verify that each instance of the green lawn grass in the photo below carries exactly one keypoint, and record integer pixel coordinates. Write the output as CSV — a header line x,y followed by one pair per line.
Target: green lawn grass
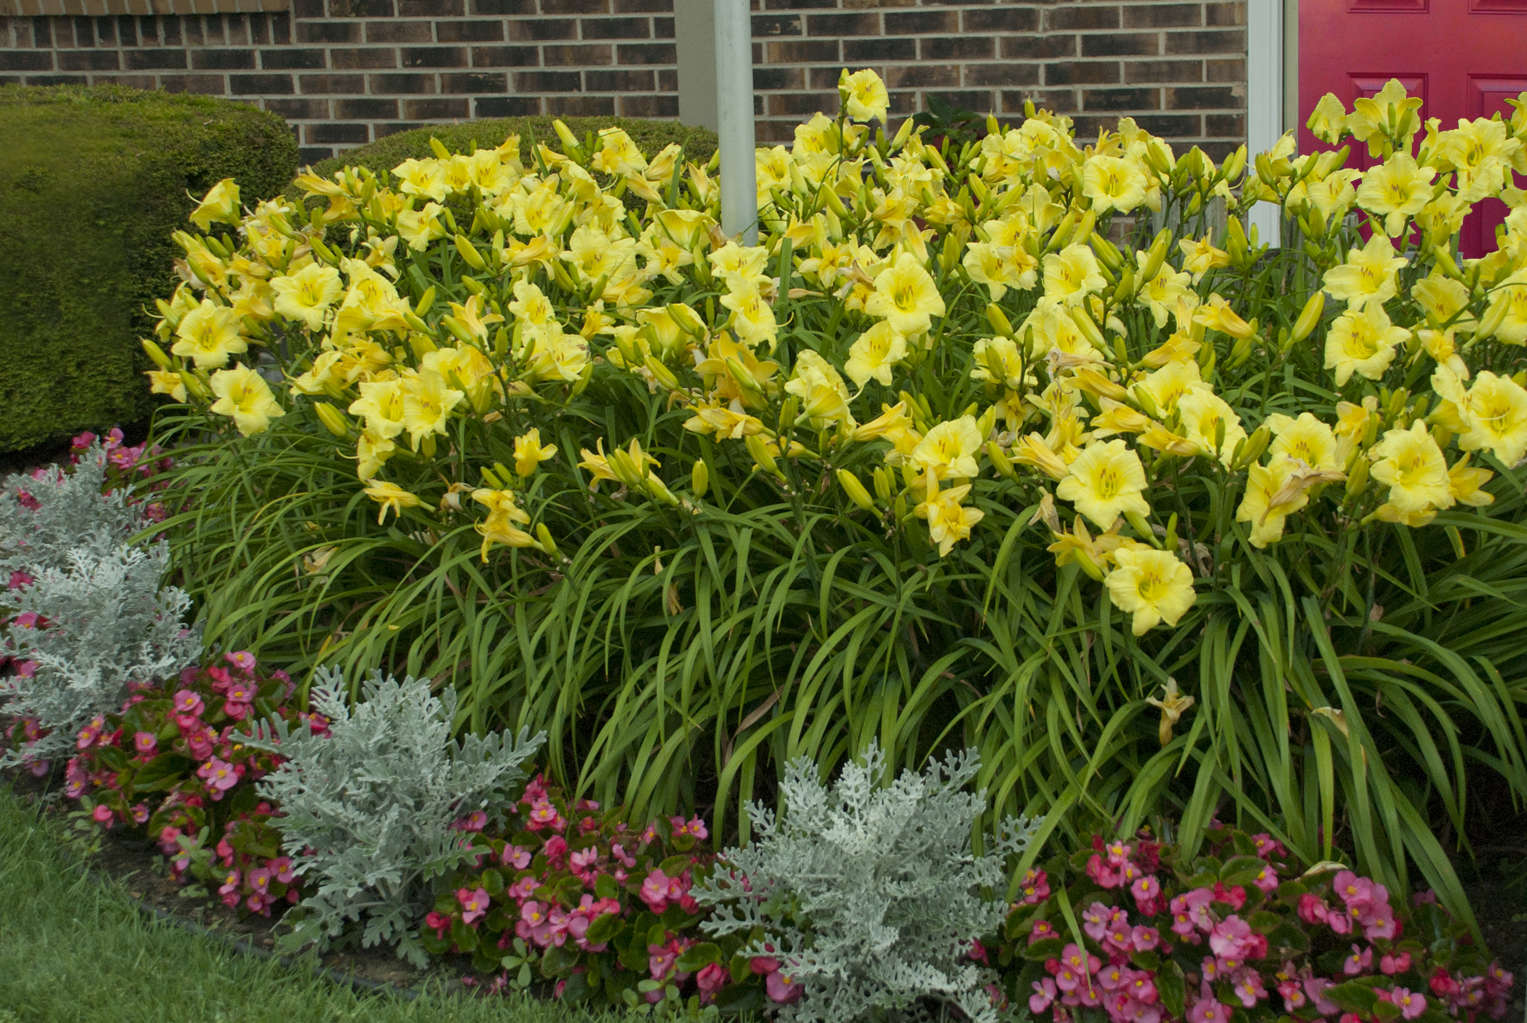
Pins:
x,y
75,949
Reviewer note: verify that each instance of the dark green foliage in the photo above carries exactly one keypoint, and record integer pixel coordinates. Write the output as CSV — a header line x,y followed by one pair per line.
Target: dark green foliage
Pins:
x,y
384,154
92,183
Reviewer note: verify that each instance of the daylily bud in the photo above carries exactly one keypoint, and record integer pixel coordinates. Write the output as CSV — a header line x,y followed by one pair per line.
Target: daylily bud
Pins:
x,y
471,255
998,320
855,489
332,418
759,449
155,353
547,543
662,373
699,478
1309,316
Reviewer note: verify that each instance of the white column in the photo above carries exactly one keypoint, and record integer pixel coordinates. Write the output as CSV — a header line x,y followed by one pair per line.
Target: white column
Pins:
x,y
694,30
1264,96
734,109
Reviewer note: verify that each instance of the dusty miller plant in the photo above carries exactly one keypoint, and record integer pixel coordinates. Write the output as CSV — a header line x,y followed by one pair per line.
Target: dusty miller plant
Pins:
x,y
869,896
368,808
43,522
93,628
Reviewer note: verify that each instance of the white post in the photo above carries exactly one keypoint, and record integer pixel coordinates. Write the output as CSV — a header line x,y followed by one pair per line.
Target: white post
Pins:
x,y
1264,96
734,108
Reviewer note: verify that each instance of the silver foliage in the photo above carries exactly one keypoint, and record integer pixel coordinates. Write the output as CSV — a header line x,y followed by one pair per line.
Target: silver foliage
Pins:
x,y
869,896
104,624
71,515
367,810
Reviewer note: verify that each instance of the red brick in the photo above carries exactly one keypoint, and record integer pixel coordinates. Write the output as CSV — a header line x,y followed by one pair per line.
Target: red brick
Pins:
x,y
399,32
775,25
506,56
922,76
921,22
1080,17
1224,41
433,56
348,59
804,51
328,32
330,84
1082,72
1163,71
541,29
957,49
1005,74
619,81
438,108
1121,44
1121,99
581,106
859,52
560,57
617,28
647,106
1165,15
1001,20
475,82
646,53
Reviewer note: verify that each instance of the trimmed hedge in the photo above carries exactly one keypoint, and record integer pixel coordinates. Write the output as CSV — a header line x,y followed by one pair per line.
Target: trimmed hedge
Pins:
x,y
92,183
384,154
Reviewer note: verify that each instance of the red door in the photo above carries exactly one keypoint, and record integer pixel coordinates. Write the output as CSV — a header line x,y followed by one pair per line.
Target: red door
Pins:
x,y
1464,58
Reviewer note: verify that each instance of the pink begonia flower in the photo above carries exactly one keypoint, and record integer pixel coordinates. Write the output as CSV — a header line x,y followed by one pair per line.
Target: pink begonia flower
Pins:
x,y
582,864
693,827
139,813
1247,986
145,743
522,889
218,775
556,852
977,952
474,904
258,903
1207,1009
544,816
710,980
1411,1004
1399,962
655,891
515,857
781,988
189,703
439,923
1360,961
472,822
535,925
1266,879
1095,919
230,889
242,660
1145,938
1044,995
1234,896
1035,887
103,816
1231,938
1293,994
19,579
281,869
1190,913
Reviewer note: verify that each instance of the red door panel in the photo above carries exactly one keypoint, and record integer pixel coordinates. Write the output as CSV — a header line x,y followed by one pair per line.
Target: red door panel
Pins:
x,y
1464,58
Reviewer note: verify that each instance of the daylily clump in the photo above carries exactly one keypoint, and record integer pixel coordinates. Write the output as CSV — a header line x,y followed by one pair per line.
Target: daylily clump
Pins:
x,y
1088,371
979,444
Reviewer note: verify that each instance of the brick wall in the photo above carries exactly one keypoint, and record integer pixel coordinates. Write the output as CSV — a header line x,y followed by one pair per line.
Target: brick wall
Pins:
x,y
344,72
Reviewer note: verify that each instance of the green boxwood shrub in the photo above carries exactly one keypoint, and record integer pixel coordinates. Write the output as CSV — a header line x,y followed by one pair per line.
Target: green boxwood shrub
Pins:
x,y
384,154
92,183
